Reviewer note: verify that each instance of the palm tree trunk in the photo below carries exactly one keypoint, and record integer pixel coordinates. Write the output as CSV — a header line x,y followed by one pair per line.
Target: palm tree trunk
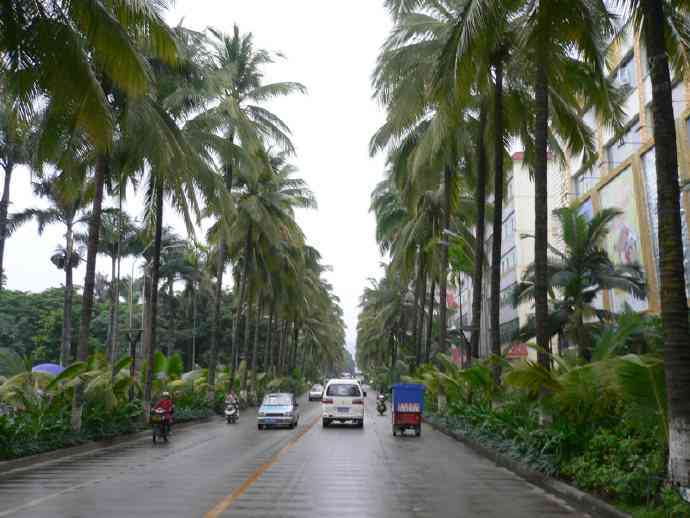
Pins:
x,y
240,305
674,304
111,311
246,337
4,208
255,348
443,283
430,324
192,362
171,325
292,363
269,336
416,328
419,338
67,304
215,322
283,347
541,210
91,253
498,221
146,316
118,253
477,278
155,272
465,343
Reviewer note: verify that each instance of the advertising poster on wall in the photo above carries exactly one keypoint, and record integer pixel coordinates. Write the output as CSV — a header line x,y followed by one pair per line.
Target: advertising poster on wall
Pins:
x,y
623,241
587,210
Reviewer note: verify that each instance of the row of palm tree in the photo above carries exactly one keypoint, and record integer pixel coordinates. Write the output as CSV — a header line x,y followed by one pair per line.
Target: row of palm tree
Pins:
x,y
178,113
461,80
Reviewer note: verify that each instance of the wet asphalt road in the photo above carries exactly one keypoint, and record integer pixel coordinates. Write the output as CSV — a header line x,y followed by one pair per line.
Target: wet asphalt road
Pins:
x,y
216,469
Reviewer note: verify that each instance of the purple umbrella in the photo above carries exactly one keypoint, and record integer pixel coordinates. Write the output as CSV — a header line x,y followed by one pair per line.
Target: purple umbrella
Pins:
x,y
49,368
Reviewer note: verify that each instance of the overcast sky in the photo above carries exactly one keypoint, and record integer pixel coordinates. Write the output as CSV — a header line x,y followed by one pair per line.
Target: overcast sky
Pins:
x,y
331,48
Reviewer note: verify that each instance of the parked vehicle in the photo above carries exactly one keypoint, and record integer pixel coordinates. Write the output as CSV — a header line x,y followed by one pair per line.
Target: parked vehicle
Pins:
x,y
278,409
232,411
160,424
408,405
316,392
343,401
381,404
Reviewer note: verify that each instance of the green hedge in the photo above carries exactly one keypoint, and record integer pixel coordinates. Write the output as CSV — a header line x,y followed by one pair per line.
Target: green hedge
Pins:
x,y
30,433
620,463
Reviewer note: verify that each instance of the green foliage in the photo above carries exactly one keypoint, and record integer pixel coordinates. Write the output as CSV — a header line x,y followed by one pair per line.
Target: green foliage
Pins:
x,y
618,463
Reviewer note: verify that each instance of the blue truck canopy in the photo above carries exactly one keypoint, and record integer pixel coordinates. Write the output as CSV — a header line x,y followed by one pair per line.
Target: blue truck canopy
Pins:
x,y
408,397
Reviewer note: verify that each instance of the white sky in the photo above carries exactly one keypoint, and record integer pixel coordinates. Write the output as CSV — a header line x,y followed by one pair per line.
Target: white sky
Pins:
x,y
331,48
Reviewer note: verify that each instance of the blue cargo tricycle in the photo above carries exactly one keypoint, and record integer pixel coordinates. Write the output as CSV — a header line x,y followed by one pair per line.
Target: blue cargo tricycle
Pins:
x,y
408,405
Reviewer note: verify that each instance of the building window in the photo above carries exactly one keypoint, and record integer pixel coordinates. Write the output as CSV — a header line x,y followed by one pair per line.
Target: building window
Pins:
x,y
649,169
625,75
509,331
584,181
680,101
620,149
507,296
508,261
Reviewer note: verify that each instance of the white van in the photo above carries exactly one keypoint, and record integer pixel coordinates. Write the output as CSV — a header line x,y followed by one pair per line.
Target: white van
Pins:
x,y
342,401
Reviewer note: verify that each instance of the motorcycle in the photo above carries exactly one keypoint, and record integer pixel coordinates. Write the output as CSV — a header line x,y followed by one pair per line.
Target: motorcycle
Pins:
x,y
381,404
160,425
232,411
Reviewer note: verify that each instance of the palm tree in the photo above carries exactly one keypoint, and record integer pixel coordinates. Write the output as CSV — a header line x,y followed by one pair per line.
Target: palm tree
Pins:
x,y
664,30
14,134
579,273
163,141
69,56
119,237
238,73
552,30
68,201
122,64
264,219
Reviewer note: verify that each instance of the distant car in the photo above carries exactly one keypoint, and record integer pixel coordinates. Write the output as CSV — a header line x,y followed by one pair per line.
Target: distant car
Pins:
x,y
316,392
278,409
343,401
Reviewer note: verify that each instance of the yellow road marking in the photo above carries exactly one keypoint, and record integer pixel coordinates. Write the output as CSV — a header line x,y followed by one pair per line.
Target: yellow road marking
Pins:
x,y
226,502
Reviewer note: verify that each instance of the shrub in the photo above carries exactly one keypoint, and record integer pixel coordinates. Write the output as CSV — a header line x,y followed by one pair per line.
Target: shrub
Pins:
x,y
620,465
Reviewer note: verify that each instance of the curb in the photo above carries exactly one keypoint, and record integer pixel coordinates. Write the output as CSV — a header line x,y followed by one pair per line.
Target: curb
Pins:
x,y
578,498
7,466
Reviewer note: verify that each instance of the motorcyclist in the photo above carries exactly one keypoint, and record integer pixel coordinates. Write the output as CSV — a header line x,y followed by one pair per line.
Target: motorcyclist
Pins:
x,y
231,398
166,404
381,403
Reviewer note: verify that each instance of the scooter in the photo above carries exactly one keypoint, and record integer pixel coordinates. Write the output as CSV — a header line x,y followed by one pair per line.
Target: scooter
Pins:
x,y
381,404
232,412
160,424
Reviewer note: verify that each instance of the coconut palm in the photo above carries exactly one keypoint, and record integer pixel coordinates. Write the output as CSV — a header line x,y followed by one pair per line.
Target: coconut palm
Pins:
x,y
264,219
165,145
68,201
119,237
578,274
78,69
14,151
58,50
246,124
666,35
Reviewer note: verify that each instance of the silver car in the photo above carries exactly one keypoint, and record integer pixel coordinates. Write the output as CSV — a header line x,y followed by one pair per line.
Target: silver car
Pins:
x,y
278,409
316,392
